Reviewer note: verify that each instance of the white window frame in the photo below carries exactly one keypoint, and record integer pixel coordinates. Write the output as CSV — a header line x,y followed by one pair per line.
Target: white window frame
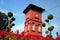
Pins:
x,y
39,28
33,27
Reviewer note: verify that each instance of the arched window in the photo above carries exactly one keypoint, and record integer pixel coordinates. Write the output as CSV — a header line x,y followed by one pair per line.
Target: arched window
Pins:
x,y
39,28
33,27
28,26
25,29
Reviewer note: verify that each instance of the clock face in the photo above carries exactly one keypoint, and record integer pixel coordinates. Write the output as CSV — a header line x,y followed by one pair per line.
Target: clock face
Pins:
x,y
36,15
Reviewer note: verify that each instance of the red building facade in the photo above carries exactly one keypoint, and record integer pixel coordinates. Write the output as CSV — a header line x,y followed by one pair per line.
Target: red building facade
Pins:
x,y
33,22
32,28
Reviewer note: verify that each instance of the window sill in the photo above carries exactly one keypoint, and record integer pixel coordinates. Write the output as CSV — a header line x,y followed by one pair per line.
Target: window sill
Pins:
x,y
39,32
33,30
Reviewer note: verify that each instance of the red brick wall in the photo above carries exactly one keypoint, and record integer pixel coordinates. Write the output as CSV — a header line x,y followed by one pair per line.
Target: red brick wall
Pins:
x,y
30,18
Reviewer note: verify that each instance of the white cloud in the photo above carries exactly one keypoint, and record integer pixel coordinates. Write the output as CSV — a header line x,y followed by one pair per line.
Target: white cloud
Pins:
x,y
3,10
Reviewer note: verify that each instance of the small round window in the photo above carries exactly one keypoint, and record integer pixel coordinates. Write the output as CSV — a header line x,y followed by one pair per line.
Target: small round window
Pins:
x,y
36,15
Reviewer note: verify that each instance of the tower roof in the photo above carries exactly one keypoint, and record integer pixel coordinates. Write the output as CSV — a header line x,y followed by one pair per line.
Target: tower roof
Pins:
x,y
33,7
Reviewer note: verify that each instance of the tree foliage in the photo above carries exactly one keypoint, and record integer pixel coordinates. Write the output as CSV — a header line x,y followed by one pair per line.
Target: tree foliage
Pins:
x,y
13,19
50,35
51,28
50,16
43,24
5,19
10,14
12,25
47,20
46,31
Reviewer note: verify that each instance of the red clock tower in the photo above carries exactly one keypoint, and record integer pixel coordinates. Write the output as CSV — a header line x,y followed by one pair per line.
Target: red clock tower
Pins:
x,y
33,21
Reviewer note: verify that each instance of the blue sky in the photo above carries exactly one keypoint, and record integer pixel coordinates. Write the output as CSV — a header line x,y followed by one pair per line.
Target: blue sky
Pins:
x,y
17,7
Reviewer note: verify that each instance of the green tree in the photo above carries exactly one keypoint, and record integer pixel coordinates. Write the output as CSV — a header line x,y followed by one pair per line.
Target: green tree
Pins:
x,y
50,28
10,20
50,16
6,20
46,31
43,24
3,18
10,14
47,20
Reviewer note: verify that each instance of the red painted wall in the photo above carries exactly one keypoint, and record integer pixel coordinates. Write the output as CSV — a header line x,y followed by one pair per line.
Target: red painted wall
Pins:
x,y
29,19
